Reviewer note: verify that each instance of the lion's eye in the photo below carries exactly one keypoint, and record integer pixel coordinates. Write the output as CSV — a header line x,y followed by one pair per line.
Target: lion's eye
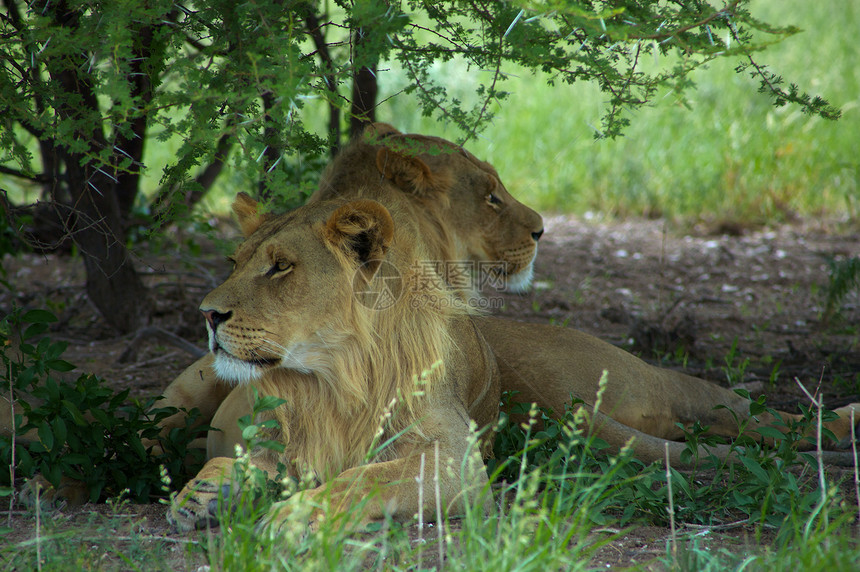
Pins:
x,y
493,200
279,267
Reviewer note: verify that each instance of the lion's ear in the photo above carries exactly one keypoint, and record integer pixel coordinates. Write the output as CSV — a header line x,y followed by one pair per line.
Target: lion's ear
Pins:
x,y
409,173
363,230
247,213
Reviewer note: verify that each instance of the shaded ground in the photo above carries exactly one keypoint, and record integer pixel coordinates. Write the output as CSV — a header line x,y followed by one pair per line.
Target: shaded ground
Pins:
x,y
684,300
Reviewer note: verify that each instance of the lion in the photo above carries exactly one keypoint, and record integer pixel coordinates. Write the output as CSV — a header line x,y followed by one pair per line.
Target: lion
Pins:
x,y
543,364
467,216
299,318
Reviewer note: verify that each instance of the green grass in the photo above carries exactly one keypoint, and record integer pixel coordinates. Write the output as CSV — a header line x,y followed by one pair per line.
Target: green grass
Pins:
x,y
563,504
731,157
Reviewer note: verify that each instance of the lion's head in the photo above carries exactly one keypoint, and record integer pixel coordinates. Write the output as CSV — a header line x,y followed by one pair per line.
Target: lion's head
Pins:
x,y
478,220
301,296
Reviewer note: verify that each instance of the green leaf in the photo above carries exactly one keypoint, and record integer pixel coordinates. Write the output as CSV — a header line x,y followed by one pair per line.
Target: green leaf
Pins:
x,y
76,414
38,317
78,459
53,473
771,432
59,427
55,350
267,403
102,417
756,469
26,465
46,436
742,499
757,408
272,445
137,448
26,378
34,330
679,480
52,389
60,365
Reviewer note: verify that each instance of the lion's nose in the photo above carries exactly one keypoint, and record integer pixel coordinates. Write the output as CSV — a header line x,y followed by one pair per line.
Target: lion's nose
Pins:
x,y
213,318
537,235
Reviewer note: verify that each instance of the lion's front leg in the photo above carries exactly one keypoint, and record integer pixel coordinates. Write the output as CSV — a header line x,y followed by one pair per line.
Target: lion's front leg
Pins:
x,y
392,489
197,504
219,481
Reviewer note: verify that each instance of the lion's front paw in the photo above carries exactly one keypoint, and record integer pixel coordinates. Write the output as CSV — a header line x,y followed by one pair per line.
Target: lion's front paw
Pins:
x,y
197,505
297,515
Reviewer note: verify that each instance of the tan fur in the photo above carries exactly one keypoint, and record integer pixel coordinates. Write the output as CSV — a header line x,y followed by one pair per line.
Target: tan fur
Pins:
x,y
549,365
289,322
447,189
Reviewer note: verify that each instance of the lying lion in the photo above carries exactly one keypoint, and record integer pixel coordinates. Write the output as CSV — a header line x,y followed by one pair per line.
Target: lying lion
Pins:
x,y
292,320
466,214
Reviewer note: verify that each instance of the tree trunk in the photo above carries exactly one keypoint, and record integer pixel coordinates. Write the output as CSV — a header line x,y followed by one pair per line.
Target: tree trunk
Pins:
x,y
113,285
315,30
274,147
364,86
97,225
364,90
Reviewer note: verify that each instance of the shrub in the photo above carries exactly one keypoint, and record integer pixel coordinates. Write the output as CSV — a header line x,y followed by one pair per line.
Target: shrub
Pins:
x,y
85,431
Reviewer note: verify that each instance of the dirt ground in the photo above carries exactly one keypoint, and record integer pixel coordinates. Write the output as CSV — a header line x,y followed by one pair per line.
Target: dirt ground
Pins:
x,y
681,297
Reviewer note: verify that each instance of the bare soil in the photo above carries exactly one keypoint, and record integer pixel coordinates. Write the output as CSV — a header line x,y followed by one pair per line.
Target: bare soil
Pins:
x,y
681,298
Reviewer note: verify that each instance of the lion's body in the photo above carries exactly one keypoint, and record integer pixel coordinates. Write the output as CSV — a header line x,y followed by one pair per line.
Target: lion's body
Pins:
x,y
551,366
291,321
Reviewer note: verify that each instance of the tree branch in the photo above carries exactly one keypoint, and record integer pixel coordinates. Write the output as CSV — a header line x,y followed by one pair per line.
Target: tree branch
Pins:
x,y
41,179
315,30
204,179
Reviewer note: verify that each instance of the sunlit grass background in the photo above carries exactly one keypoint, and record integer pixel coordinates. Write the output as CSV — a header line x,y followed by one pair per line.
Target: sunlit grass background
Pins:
x,y
733,156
